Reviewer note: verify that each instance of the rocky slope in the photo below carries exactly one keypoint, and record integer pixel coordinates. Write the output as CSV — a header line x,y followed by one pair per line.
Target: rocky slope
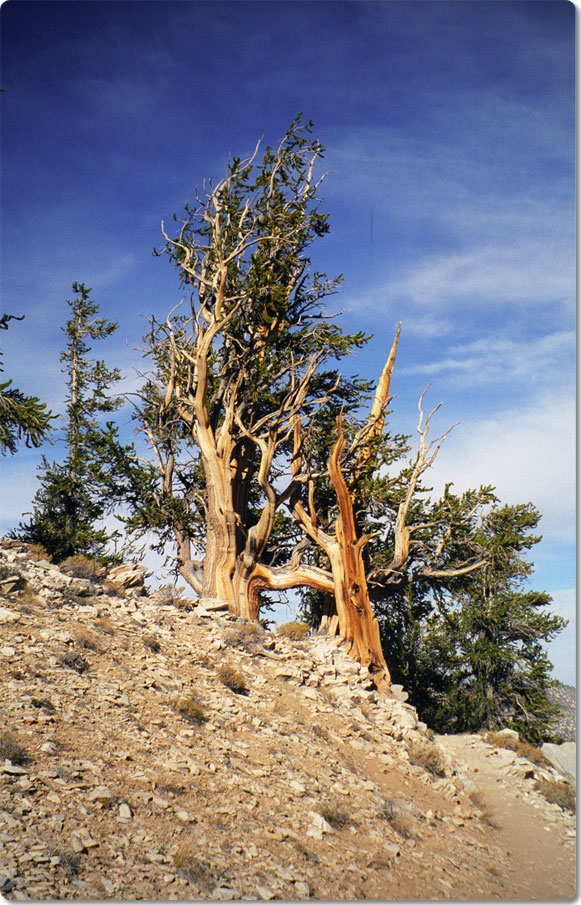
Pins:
x,y
565,726
153,750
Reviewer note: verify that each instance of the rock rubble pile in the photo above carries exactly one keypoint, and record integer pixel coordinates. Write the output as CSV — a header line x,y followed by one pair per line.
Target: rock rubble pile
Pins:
x,y
153,749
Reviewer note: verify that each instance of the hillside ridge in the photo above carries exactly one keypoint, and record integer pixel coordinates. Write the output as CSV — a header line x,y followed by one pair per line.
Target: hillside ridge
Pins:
x,y
157,750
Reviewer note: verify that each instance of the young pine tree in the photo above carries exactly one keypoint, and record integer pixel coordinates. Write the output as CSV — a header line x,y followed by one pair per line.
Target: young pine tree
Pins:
x,y
483,663
75,495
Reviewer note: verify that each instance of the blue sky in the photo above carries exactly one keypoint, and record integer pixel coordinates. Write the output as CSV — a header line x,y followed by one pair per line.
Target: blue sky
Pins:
x,y
449,129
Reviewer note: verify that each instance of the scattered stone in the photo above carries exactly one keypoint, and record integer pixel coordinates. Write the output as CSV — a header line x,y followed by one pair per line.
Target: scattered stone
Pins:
x,y
7,616
319,822
128,575
508,733
101,793
263,892
210,605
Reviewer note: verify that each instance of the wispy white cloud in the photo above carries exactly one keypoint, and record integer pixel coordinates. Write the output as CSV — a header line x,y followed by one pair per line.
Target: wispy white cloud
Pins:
x,y
562,650
502,359
528,454
518,271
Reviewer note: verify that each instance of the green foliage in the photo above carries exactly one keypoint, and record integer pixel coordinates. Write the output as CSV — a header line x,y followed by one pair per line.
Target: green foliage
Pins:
x,y
22,418
76,494
261,219
476,657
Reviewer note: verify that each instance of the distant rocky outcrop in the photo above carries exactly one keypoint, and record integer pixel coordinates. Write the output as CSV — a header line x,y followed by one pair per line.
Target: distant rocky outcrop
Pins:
x,y
565,726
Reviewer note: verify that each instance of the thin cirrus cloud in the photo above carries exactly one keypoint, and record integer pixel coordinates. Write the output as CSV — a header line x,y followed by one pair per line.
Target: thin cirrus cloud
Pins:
x,y
527,453
502,359
529,272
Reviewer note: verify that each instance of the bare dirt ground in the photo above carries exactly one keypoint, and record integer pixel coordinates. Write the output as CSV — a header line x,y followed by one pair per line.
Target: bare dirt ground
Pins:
x,y
541,859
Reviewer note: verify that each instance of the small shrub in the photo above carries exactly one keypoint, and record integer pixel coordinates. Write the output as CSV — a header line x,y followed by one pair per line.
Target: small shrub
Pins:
x,y
9,572
295,631
70,863
36,552
192,868
232,679
247,636
105,625
192,710
152,643
86,641
80,566
43,704
335,816
400,819
556,792
168,595
170,782
425,753
76,662
11,750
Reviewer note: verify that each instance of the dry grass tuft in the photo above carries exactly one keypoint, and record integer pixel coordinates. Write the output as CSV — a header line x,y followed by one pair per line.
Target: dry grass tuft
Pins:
x,y
76,662
557,792
247,636
399,817
86,640
523,749
105,625
337,818
426,753
294,631
170,782
232,679
81,566
192,868
192,710
36,552
152,643
11,750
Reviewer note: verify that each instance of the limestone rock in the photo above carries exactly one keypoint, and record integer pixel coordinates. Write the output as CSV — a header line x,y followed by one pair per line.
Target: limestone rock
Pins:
x,y
564,757
211,605
128,575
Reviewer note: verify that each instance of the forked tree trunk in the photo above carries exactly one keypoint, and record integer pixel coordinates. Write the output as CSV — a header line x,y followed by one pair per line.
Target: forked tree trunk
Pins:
x,y
357,623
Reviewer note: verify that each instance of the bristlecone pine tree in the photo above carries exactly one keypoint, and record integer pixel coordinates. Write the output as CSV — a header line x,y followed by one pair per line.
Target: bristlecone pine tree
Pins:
x,y
22,418
262,472
234,373
75,495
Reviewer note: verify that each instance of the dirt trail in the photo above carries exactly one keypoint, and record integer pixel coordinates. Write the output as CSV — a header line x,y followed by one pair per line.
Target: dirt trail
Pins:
x,y
539,844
